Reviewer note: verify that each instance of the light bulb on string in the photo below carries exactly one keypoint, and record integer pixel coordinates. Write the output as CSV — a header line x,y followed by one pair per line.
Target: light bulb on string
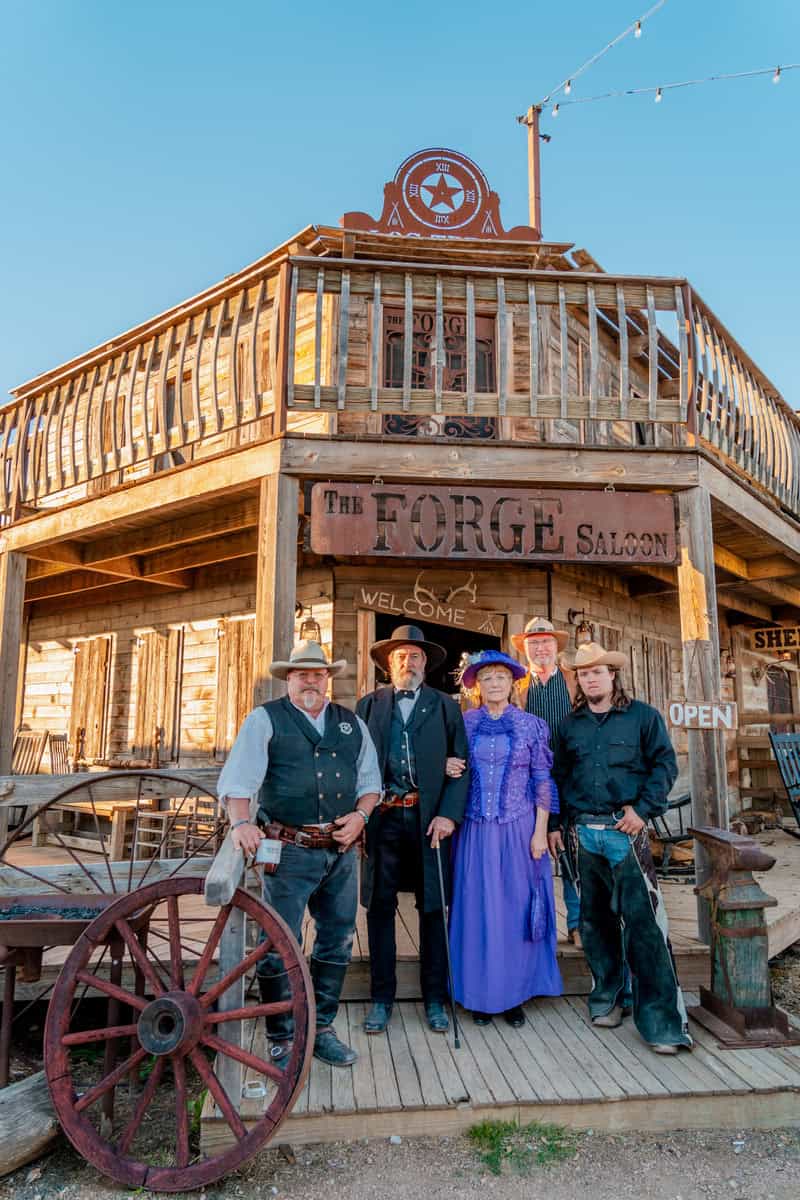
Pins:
x,y
776,78
554,113
568,86
637,33
659,95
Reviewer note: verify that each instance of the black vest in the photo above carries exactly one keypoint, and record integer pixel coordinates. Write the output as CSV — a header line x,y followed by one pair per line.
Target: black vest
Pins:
x,y
310,779
401,769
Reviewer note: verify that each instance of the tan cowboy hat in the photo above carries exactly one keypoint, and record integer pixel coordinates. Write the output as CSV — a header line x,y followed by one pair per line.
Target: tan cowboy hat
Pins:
x,y
539,627
306,655
592,654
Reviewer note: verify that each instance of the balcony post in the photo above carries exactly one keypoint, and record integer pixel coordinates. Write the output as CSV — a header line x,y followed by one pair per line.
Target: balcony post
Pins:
x,y
12,599
697,599
276,581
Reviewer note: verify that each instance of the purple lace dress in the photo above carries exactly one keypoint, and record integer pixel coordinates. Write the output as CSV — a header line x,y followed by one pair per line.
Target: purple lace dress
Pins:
x,y
502,916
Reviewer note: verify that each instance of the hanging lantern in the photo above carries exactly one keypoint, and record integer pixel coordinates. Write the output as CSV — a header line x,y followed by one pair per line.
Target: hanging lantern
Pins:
x,y
310,630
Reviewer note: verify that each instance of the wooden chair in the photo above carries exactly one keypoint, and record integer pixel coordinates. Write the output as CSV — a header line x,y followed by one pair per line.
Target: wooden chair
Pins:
x,y
187,827
28,751
59,754
786,748
669,834
26,760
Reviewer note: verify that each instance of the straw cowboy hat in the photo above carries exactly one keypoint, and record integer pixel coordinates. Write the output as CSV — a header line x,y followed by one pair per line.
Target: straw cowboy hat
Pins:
x,y
306,655
592,654
407,635
539,627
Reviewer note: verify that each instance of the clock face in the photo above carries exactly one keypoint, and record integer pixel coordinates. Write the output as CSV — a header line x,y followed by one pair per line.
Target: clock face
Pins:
x,y
444,191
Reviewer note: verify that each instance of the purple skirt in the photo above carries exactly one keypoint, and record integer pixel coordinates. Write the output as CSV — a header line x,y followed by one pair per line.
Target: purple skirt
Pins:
x,y
502,917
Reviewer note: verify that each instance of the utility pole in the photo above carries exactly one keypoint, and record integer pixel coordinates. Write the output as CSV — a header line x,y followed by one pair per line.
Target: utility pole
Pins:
x,y
531,119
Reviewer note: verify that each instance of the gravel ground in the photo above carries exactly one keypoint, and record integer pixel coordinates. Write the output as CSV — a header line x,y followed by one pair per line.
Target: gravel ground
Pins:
x,y
707,1165
676,1166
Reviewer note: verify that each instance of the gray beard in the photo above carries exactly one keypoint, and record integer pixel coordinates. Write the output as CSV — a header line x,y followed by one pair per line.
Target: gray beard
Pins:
x,y
408,679
309,700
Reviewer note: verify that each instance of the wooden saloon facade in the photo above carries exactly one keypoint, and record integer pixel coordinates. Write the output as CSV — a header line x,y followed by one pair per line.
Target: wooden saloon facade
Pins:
x,y
421,417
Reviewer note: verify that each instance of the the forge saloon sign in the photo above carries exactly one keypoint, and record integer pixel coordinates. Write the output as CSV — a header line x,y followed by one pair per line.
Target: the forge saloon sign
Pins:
x,y
426,521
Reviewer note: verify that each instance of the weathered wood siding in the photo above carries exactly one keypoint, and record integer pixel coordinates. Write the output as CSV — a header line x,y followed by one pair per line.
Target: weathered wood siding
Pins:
x,y
221,594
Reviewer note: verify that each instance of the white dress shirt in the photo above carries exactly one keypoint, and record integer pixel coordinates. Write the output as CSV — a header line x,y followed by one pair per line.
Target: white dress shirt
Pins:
x,y
246,765
406,705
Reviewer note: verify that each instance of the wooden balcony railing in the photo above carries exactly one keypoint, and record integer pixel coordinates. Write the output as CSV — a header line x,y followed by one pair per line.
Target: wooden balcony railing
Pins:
x,y
603,358
555,343
196,380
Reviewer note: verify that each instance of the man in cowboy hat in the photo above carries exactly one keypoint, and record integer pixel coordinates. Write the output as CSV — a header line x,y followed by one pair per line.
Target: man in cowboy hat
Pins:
x,y
303,771
614,765
549,695
415,729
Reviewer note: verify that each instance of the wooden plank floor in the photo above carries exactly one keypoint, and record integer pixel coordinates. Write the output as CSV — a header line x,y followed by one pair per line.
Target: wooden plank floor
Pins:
x,y
782,882
556,1068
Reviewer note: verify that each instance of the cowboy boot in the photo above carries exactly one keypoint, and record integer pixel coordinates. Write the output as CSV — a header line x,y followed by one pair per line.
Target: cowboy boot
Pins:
x,y
280,1028
328,1048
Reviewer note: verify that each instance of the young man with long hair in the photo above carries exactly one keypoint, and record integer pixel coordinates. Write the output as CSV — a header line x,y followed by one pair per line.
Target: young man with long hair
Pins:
x,y
614,766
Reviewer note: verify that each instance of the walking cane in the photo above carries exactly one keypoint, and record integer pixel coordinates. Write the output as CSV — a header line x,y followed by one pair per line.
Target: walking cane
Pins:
x,y
456,1042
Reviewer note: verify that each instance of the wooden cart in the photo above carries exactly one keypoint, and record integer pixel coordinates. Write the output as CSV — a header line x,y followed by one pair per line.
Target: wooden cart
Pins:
x,y
171,940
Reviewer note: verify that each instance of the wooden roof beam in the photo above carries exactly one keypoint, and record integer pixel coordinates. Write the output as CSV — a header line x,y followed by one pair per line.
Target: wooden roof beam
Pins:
x,y
774,567
202,554
88,581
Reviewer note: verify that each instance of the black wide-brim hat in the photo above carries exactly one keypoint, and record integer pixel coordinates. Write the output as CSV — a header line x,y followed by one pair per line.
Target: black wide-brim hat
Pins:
x,y
407,635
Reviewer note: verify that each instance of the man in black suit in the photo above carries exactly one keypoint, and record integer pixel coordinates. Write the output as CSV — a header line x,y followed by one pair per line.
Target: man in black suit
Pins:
x,y
416,730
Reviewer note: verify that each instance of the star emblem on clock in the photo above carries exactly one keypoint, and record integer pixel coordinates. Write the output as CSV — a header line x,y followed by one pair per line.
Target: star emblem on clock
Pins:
x,y
439,193
444,191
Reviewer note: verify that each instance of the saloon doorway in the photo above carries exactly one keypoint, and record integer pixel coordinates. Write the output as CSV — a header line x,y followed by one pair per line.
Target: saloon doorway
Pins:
x,y
454,641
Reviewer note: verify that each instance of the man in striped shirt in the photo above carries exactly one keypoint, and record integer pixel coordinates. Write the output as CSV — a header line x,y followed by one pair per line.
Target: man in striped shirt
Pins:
x,y
550,697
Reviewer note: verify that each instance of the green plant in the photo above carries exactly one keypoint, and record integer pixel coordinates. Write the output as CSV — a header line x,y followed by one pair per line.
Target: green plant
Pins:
x,y
490,1139
195,1108
521,1146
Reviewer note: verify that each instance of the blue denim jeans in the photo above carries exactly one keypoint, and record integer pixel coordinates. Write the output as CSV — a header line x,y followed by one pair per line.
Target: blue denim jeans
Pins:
x,y
327,883
572,903
619,929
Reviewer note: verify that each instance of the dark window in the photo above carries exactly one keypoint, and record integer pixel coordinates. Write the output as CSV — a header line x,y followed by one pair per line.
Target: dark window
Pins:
x,y
454,375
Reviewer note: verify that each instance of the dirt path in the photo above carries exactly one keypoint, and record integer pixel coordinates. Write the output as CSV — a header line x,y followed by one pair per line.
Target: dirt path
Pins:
x,y
676,1166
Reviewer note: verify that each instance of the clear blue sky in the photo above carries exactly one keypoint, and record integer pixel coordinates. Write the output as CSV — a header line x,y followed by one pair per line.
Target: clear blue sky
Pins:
x,y
148,149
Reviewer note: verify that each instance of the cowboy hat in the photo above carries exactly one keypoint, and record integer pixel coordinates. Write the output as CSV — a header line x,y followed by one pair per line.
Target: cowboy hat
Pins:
x,y
539,627
306,655
592,654
407,635
489,658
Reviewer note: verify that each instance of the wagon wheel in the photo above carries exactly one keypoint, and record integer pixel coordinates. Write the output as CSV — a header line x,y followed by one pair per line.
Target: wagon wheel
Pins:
x,y
164,1049
54,880
140,817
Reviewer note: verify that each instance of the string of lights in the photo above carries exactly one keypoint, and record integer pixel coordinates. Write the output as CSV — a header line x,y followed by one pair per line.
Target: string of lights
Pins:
x,y
657,92
634,28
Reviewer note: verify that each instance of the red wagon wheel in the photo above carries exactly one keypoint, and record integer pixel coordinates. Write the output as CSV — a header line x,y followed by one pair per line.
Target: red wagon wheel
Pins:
x,y
158,1051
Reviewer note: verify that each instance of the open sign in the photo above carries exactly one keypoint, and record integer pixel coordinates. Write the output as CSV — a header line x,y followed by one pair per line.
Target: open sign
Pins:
x,y
700,714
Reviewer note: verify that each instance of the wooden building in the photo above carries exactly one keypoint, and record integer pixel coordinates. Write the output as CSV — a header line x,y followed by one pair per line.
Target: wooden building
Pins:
x,y
418,416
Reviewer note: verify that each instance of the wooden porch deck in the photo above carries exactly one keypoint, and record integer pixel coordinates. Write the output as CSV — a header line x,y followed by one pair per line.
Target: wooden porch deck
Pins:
x,y
782,882
556,1068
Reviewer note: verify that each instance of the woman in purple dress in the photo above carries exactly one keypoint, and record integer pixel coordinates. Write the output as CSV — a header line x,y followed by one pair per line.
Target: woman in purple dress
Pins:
x,y
502,916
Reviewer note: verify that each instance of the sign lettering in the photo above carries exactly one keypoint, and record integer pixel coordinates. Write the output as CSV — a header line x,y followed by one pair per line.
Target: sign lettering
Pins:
x,y
413,521
711,714
440,612
781,637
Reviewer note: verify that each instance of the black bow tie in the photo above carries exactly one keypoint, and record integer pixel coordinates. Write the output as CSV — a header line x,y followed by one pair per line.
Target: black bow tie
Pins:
x,y
405,694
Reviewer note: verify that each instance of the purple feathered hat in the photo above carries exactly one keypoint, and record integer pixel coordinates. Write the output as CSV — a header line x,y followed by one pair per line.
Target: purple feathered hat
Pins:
x,y
488,658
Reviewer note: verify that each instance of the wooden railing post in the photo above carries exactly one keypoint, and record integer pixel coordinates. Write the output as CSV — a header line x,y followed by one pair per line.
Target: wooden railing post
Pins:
x,y
12,598
276,581
282,363
222,881
701,674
